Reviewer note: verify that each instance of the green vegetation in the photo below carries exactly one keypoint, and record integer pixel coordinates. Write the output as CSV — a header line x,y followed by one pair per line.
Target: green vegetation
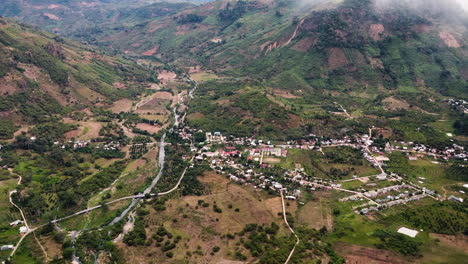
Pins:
x,y
7,128
443,218
223,104
102,179
138,234
397,242
457,172
266,243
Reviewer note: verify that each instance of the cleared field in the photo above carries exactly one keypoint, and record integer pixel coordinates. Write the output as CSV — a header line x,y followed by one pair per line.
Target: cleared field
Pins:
x,y
201,228
124,105
149,128
317,213
204,76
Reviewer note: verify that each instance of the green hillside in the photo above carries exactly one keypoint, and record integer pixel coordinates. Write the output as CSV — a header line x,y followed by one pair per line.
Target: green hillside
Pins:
x,y
42,75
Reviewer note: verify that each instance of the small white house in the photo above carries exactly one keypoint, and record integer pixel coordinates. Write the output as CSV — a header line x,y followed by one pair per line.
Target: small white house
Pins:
x,y
23,229
408,232
15,223
7,247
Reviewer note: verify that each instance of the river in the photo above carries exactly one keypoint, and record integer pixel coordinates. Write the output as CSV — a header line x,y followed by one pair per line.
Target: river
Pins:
x,y
162,156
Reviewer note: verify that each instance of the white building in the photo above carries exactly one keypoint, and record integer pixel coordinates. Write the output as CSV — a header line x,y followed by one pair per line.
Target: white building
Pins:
x,y
7,247
23,229
408,232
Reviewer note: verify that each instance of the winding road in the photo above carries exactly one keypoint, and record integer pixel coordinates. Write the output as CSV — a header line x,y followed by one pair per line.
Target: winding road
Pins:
x,y
135,198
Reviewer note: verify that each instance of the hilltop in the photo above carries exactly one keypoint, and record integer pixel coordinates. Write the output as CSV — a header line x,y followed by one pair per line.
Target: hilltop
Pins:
x,y
311,47
63,17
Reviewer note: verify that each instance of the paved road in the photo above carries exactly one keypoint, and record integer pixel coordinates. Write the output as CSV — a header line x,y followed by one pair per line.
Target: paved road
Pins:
x,y
135,198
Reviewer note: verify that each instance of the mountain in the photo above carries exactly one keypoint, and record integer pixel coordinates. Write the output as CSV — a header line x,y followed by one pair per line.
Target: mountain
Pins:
x,y
380,61
73,16
42,75
398,46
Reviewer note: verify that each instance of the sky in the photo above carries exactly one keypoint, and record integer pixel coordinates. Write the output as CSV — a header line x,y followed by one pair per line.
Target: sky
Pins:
x,y
464,3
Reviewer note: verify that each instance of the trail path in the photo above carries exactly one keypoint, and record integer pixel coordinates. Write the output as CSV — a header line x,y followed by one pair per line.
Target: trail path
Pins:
x,y
290,229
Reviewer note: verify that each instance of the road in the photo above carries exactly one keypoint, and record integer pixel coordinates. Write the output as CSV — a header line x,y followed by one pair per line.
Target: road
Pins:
x,y
290,228
135,198
344,110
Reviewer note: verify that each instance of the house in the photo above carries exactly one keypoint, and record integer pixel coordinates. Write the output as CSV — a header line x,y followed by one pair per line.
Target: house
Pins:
x,y
381,177
23,229
408,232
215,137
454,198
15,223
7,247
382,159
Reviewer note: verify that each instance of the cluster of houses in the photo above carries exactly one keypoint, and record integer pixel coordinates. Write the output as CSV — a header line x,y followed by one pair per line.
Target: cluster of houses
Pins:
x,y
459,104
77,144
110,146
230,158
416,151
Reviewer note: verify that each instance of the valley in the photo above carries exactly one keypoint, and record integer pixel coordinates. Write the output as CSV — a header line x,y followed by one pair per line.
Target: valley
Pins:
x,y
233,131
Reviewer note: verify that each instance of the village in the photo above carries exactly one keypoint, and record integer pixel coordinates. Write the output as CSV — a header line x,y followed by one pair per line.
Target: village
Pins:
x,y
244,161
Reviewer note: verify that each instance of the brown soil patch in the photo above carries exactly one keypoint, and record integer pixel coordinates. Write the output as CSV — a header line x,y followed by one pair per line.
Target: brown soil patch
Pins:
x,y
391,103
124,105
294,121
133,166
304,45
376,63
460,242
31,71
151,51
74,133
93,129
119,85
224,102
262,47
52,248
148,128
449,39
7,85
270,160
163,95
154,104
364,179
154,26
284,94
375,31
166,76
354,254
272,47
316,214
195,116
52,16
53,6
336,58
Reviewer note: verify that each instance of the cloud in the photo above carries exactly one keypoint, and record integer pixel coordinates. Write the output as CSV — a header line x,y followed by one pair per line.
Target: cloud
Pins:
x,y
464,4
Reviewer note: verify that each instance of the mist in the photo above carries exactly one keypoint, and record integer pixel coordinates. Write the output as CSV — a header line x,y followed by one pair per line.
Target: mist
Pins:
x,y
453,11
453,4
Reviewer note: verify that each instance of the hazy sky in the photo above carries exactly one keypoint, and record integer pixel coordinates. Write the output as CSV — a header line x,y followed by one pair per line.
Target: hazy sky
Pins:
x,y
464,3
